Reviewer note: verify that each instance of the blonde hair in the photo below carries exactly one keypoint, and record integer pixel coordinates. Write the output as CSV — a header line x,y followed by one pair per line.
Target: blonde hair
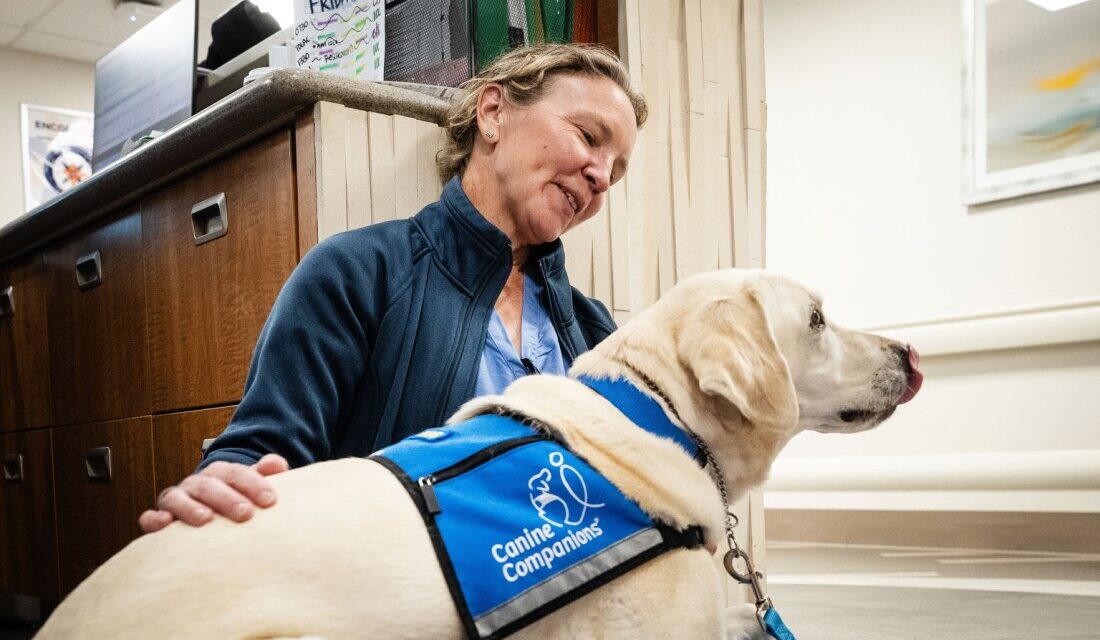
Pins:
x,y
526,74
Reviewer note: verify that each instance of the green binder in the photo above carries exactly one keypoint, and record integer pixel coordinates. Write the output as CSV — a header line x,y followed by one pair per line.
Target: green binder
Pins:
x,y
497,30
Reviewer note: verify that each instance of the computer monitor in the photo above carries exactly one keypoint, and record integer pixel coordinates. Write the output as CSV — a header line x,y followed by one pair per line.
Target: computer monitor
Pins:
x,y
145,83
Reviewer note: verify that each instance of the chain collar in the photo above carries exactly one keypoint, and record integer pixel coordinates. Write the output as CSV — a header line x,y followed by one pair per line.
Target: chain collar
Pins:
x,y
715,471
750,576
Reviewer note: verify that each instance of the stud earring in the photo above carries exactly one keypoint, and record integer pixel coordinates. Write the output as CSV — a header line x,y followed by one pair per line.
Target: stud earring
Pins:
x,y
490,134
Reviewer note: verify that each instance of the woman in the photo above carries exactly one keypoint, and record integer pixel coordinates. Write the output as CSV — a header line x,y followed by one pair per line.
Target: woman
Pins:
x,y
384,331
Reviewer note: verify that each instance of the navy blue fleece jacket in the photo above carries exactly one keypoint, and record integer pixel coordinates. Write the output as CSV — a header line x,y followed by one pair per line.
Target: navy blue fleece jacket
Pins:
x,y
378,333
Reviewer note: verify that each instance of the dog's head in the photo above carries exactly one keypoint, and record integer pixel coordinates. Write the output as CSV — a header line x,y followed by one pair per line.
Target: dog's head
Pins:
x,y
762,345
845,381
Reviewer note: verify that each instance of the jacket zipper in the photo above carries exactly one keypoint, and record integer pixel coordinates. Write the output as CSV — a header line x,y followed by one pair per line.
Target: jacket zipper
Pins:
x,y
441,410
427,483
566,342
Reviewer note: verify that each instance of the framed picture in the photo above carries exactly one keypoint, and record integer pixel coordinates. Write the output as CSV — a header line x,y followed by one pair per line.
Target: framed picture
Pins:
x,y
57,151
1031,96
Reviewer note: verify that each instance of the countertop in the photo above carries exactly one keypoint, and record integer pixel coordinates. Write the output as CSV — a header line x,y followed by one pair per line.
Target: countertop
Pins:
x,y
240,118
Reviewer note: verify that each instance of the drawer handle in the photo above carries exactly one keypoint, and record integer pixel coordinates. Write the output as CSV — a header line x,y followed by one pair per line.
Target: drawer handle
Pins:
x,y
209,219
89,271
98,464
13,468
7,302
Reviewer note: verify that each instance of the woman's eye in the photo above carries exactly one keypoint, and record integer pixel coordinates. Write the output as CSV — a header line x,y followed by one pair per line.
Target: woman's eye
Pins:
x,y
588,137
817,320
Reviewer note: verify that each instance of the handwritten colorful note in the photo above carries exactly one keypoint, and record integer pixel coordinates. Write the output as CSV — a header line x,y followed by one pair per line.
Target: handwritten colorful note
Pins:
x,y
343,37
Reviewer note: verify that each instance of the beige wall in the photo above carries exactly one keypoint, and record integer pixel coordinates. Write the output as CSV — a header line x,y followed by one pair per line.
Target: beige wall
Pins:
x,y
864,203
34,79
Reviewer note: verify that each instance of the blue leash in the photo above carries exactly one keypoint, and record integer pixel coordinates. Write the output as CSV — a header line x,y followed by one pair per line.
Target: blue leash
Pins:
x,y
775,627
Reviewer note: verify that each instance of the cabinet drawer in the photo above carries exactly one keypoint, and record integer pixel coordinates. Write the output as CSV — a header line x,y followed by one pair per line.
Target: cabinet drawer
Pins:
x,y
177,441
104,480
97,324
218,245
24,352
28,552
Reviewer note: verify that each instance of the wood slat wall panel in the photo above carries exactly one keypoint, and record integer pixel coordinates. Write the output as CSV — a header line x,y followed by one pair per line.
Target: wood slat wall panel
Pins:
x,y
406,166
429,140
305,171
694,197
382,169
332,186
357,141
385,164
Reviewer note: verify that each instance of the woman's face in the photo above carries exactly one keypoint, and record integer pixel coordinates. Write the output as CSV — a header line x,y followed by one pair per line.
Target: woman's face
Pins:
x,y
554,160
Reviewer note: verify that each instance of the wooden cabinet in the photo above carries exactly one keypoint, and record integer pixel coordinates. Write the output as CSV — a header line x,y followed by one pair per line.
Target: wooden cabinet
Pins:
x,y
218,247
98,367
28,544
178,438
131,336
104,479
24,351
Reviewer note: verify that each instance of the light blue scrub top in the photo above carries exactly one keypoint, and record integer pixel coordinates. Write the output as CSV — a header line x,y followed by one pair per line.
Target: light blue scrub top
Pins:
x,y
500,364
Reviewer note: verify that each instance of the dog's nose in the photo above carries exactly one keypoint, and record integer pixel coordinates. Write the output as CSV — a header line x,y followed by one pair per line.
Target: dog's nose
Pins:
x,y
902,352
914,378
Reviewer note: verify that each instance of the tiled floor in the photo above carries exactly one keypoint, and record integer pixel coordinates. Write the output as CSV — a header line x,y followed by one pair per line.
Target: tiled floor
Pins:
x,y
833,592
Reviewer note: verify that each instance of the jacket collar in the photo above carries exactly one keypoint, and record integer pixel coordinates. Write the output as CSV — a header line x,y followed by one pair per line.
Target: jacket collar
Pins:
x,y
471,248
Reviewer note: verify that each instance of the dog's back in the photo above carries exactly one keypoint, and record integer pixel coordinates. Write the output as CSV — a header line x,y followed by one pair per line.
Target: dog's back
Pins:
x,y
344,553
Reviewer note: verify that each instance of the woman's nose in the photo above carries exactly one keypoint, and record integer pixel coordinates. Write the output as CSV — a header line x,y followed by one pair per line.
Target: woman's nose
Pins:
x,y
598,174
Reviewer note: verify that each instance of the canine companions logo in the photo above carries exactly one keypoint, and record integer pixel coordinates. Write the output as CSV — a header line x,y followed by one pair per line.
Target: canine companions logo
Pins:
x,y
551,506
559,495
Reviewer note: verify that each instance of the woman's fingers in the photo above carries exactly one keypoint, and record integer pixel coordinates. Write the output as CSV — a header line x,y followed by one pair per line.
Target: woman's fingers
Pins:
x,y
228,488
199,496
271,464
151,521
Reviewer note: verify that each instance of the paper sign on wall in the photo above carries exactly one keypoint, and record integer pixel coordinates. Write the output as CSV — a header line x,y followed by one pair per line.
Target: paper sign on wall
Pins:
x,y
344,37
57,151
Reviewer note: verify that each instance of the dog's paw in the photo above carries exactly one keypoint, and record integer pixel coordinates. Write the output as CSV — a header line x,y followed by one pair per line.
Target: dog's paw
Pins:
x,y
742,624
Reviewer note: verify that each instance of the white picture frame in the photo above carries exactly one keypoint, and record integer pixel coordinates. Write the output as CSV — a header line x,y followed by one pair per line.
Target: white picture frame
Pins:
x,y
1019,136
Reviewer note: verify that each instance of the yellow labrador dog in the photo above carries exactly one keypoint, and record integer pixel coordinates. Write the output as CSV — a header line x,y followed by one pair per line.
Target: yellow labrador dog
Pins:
x,y
747,360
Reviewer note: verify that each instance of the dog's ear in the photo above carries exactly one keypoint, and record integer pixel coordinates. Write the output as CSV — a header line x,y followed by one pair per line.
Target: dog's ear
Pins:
x,y
733,354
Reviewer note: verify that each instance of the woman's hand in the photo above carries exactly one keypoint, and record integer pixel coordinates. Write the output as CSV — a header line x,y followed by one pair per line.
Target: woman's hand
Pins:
x,y
228,488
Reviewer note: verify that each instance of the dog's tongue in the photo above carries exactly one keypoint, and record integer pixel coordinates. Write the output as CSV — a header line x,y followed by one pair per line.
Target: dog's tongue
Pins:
x,y
915,379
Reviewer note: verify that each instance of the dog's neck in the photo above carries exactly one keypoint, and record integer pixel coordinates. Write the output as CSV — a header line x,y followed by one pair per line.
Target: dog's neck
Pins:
x,y
681,495
744,450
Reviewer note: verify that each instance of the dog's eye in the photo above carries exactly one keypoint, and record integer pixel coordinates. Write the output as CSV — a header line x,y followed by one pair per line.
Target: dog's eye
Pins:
x,y
817,320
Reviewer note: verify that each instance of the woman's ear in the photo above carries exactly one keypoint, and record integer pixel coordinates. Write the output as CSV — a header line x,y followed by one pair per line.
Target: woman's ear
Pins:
x,y
490,111
732,352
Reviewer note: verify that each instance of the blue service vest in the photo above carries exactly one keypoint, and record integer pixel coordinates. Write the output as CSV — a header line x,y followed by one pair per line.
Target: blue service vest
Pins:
x,y
521,525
